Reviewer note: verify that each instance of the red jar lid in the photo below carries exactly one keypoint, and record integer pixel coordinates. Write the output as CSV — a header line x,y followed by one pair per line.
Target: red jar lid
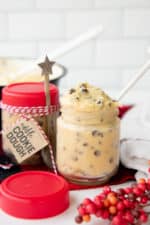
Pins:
x,y
28,94
34,194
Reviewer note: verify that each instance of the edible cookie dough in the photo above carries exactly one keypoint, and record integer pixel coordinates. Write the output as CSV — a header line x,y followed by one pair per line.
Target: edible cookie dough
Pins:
x,y
88,135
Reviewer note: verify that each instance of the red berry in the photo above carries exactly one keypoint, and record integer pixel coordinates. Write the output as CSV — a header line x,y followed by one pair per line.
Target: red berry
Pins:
x,y
121,191
120,213
142,181
106,203
142,186
148,186
112,193
143,217
127,203
124,207
91,208
102,196
120,205
121,197
86,218
78,219
129,217
128,190
113,200
81,211
98,202
99,213
86,201
112,210
137,191
105,214
106,189
144,200
118,220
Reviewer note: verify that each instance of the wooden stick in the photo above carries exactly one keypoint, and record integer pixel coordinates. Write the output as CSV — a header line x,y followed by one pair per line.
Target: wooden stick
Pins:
x,y
75,42
48,102
134,80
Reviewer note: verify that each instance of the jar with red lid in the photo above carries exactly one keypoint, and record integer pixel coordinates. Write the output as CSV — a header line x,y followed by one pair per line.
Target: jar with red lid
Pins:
x,y
28,98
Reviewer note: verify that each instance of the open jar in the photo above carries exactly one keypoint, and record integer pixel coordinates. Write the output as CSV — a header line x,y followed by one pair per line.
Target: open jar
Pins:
x,y
27,99
88,133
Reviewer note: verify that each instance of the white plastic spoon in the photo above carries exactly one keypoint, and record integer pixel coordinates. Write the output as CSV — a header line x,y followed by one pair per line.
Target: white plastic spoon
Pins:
x,y
65,48
134,80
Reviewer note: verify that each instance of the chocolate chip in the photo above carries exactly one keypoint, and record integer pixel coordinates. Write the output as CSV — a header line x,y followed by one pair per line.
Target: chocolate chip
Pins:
x,y
97,133
94,133
80,152
99,142
111,160
109,104
101,119
78,134
99,102
85,144
83,85
77,98
72,90
75,158
84,90
97,152
101,134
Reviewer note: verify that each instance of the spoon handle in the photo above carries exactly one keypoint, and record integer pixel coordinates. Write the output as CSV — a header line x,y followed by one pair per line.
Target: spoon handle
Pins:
x,y
65,48
134,80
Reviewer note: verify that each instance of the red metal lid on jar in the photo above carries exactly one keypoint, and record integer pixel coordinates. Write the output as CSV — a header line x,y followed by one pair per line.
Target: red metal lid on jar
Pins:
x,y
28,94
34,194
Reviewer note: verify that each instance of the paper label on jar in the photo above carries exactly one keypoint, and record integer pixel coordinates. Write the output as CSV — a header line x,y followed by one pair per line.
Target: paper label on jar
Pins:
x,y
24,139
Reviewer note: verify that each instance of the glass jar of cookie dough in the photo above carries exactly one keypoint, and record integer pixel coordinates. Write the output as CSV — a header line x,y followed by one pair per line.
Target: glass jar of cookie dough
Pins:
x,y
27,99
88,133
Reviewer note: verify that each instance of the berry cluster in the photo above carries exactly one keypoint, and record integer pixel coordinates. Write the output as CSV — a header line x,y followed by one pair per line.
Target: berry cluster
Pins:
x,y
122,207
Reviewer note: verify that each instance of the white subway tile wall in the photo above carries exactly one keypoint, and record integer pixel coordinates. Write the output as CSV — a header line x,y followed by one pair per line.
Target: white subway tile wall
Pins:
x,y
36,26
64,4
121,53
122,4
136,23
18,49
16,5
77,22
30,28
3,26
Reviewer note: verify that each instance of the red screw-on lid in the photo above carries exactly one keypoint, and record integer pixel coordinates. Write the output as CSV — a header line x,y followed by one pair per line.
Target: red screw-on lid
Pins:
x,y
34,194
28,94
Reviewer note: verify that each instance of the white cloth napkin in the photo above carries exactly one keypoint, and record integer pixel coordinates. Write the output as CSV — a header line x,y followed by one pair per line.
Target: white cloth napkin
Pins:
x,y
135,140
135,154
